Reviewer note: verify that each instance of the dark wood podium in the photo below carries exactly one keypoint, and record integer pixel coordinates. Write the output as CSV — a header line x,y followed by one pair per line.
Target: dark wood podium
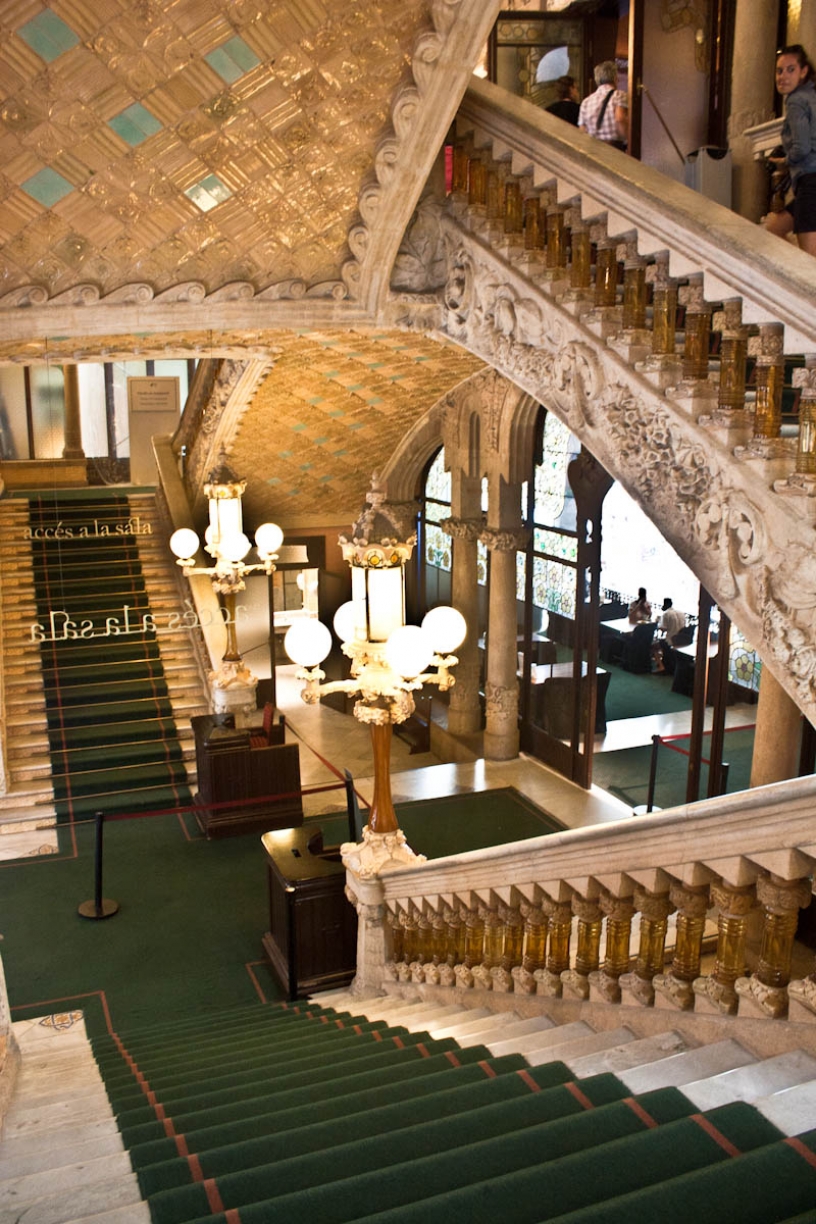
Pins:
x,y
311,943
231,773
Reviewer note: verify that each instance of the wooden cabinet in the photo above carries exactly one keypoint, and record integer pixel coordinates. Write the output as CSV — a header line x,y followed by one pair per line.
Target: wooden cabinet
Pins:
x,y
242,789
311,943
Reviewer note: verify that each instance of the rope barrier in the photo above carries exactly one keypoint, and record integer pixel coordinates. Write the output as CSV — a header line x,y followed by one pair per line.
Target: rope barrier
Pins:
x,y
668,742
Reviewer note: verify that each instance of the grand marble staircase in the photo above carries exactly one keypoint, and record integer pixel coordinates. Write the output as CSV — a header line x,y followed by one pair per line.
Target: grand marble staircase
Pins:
x,y
31,767
393,1108
594,284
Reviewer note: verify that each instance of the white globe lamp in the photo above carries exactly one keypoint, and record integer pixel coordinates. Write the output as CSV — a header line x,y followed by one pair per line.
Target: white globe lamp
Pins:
x,y
446,628
307,642
184,543
408,651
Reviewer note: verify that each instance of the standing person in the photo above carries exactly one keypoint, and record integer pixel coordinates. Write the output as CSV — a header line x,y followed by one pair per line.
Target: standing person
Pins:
x,y
566,105
794,81
640,609
605,113
670,623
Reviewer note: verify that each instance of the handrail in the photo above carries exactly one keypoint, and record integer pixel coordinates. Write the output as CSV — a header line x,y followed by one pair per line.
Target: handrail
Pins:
x,y
766,825
737,257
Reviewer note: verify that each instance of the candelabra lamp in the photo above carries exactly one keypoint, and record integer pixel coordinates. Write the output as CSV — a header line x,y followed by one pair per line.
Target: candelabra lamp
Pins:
x,y
390,660
233,684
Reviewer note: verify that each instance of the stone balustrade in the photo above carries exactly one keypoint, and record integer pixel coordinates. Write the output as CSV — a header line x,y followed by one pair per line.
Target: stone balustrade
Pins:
x,y
616,914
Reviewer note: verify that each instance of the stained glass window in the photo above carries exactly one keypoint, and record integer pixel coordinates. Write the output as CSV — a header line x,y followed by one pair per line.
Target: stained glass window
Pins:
x,y
437,508
555,544
744,664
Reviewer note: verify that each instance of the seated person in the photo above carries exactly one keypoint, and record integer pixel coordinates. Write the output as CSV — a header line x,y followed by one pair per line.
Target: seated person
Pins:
x,y
640,609
670,623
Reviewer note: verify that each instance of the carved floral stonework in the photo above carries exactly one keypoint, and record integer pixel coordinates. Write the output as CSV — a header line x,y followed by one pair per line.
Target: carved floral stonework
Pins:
x,y
729,526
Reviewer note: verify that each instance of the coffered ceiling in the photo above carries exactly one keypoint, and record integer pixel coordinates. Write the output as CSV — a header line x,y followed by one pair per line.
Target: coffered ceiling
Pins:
x,y
169,141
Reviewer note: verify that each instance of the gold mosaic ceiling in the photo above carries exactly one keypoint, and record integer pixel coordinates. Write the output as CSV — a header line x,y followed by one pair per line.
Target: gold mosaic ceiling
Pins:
x,y
165,141
334,409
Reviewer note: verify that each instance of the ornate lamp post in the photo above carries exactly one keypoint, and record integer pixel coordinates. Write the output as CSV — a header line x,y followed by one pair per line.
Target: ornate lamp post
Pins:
x,y
225,541
389,659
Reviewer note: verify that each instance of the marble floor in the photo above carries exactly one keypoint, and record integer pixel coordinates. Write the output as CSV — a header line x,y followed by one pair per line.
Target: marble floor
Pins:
x,y
332,742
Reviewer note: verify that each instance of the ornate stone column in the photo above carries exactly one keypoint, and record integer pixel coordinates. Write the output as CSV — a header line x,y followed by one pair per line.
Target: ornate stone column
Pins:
x,y
765,992
633,342
604,983
535,948
716,993
770,373
73,423
778,729
474,946
674,989
464,710
662,367
752,99
654,910
501,739
559,916
587,951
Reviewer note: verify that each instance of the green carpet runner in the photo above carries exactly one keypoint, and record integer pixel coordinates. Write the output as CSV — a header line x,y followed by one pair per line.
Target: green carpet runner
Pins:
x,y
112,737
303,1114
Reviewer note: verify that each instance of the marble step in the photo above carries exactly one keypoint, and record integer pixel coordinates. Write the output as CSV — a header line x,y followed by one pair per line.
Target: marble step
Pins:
x,y
793,1110
766,1078
513,1035
480,1024
685,1068
622,1057
538,1052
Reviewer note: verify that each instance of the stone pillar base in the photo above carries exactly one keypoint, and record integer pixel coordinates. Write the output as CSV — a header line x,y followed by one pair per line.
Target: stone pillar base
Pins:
x,y
672,993
636,991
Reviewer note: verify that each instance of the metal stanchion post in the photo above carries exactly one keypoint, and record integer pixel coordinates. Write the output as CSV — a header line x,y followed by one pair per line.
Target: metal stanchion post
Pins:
x,y
100,907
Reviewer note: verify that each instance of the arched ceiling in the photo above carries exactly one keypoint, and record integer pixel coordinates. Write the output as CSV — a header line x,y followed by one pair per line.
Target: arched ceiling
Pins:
x,y
333,410
167,141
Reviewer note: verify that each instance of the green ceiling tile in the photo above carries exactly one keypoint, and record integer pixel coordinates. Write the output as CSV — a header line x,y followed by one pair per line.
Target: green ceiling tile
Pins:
x,y
358,425
232,60
316,399
298,428
135,124
48,35
306,467
339,453
330,373
47,187
375,399
326,479
284,454
273,480
337,412
320,441
209,192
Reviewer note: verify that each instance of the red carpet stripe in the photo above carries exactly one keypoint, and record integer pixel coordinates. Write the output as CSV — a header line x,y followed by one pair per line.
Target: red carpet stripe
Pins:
x,y
423,1049
580,1097
528,1080
213,1197
638,1109
717,1135
451,1057
488,1070
803,1150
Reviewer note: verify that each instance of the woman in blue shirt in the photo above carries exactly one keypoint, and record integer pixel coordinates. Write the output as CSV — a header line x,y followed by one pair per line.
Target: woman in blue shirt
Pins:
x,y
794,81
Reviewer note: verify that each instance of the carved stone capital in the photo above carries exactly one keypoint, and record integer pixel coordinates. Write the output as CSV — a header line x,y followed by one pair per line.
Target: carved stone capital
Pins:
x,y
447,975
679,993
783,896
497,540
733,902
655,906
619,909
548,984
557,911
501,702
523,980
575,983
502,979
534,914
803,990
691,902
771,1000
586,911
721,994
462,529
640,989
607,986
482,977
378,853
464,977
